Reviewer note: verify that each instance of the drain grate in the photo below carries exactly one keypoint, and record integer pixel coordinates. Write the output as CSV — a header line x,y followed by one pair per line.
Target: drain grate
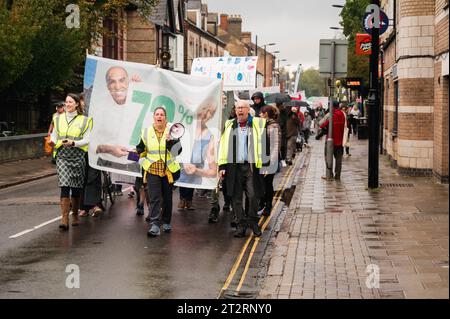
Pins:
x,y
391,185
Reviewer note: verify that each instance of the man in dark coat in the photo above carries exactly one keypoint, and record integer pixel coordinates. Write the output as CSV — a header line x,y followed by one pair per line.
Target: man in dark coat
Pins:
x,y
239,165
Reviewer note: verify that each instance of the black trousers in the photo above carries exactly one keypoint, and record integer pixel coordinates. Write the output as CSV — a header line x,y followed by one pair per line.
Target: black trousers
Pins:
x,y
159,189
306,134
284,146
227,199
267,199
243,183
92,191
186,193
338,154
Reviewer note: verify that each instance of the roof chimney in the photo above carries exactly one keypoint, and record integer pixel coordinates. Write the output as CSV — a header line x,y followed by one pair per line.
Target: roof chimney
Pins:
x,y
246,37
224,21
235,25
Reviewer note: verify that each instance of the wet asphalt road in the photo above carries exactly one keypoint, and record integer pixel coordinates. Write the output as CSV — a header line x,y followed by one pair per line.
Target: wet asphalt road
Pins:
x,y
115,257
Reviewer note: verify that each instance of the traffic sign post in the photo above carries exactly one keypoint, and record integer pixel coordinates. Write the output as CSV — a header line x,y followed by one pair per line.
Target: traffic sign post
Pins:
x,y
368,22
332,63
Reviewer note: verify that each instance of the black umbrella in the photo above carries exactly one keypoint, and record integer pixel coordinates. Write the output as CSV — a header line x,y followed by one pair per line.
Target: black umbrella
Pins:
x,y
277,98
296,103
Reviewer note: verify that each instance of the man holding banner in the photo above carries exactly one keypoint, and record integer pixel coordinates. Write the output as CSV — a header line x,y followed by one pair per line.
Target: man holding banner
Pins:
x,y
240,158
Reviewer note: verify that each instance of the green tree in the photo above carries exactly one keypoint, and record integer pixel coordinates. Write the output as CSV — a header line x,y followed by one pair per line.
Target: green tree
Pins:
x,y
312,83
41,56
39,52
352,21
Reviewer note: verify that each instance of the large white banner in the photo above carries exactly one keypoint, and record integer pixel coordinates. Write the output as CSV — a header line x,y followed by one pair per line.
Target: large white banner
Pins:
x,y
121,97
319,100
237,73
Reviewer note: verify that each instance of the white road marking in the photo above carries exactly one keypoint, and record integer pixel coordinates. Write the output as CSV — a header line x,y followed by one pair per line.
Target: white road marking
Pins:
x,y
35,227
48,222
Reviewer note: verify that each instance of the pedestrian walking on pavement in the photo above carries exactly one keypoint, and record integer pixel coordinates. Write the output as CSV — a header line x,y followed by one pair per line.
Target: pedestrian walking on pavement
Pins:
x,y
270,114
347,131
240,159
282,120
293,126
160,170
71,140
306,127
320,113
338,136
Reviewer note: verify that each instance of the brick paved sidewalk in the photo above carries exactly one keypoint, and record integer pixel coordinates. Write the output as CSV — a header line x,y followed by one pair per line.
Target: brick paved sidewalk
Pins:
x,y
333,230
17,172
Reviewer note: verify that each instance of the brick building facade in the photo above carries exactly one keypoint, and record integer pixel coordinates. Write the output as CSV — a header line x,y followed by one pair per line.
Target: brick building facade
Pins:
x,y
201,30
415,50
239,44
143,41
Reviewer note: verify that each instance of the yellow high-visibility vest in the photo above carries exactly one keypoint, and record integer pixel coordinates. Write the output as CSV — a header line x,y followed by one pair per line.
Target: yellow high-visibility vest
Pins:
x,y
258,125
73,130
156,150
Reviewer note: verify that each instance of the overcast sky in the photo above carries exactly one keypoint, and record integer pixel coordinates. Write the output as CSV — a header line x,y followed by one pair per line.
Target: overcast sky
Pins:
x,y
295,25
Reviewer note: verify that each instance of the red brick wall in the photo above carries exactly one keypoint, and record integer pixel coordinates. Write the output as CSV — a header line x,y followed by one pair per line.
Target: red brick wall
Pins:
x,y
141,40
416,8
415,126
441,36
417,91
441,145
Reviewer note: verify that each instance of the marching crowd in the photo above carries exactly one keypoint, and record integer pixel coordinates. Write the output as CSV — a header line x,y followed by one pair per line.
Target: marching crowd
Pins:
x,y
256,141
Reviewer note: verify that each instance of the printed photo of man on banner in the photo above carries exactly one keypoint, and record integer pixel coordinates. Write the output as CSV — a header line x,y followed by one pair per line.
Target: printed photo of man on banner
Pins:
x,y
122,97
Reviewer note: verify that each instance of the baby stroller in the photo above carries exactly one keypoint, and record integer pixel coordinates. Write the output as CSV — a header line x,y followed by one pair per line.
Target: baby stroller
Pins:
x,y
300,141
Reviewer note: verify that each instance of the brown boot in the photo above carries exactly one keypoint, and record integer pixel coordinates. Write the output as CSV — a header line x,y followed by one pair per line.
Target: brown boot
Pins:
x,y
182,204
75,207
65,206
189,205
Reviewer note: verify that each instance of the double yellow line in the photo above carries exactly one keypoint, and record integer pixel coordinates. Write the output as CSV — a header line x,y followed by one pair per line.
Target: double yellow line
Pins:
x,y
255,244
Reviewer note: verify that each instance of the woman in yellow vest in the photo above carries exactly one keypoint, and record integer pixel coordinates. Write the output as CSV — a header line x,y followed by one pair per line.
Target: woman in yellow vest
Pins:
x,y
160,170
71,139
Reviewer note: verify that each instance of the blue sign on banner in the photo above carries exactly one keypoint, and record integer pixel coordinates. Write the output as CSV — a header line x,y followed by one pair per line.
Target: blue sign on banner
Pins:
x,y
368,22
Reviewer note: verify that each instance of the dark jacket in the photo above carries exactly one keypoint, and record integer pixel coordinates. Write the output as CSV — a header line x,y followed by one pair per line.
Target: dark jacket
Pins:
x,y
293,124
259,106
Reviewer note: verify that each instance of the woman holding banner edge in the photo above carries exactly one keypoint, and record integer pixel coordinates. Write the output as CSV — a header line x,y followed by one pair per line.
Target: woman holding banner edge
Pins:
x,y
160,170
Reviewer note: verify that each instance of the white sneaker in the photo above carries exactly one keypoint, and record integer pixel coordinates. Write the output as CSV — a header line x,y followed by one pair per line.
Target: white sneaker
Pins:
x,y
259,213
283,163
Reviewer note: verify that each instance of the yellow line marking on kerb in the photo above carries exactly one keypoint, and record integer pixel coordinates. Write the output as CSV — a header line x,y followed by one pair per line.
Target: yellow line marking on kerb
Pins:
x,y
244,248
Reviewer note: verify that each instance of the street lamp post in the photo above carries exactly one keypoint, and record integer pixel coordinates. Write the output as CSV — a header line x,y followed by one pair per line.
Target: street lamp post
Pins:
x,y
273,62
286,79
265,54
374,106
282,60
